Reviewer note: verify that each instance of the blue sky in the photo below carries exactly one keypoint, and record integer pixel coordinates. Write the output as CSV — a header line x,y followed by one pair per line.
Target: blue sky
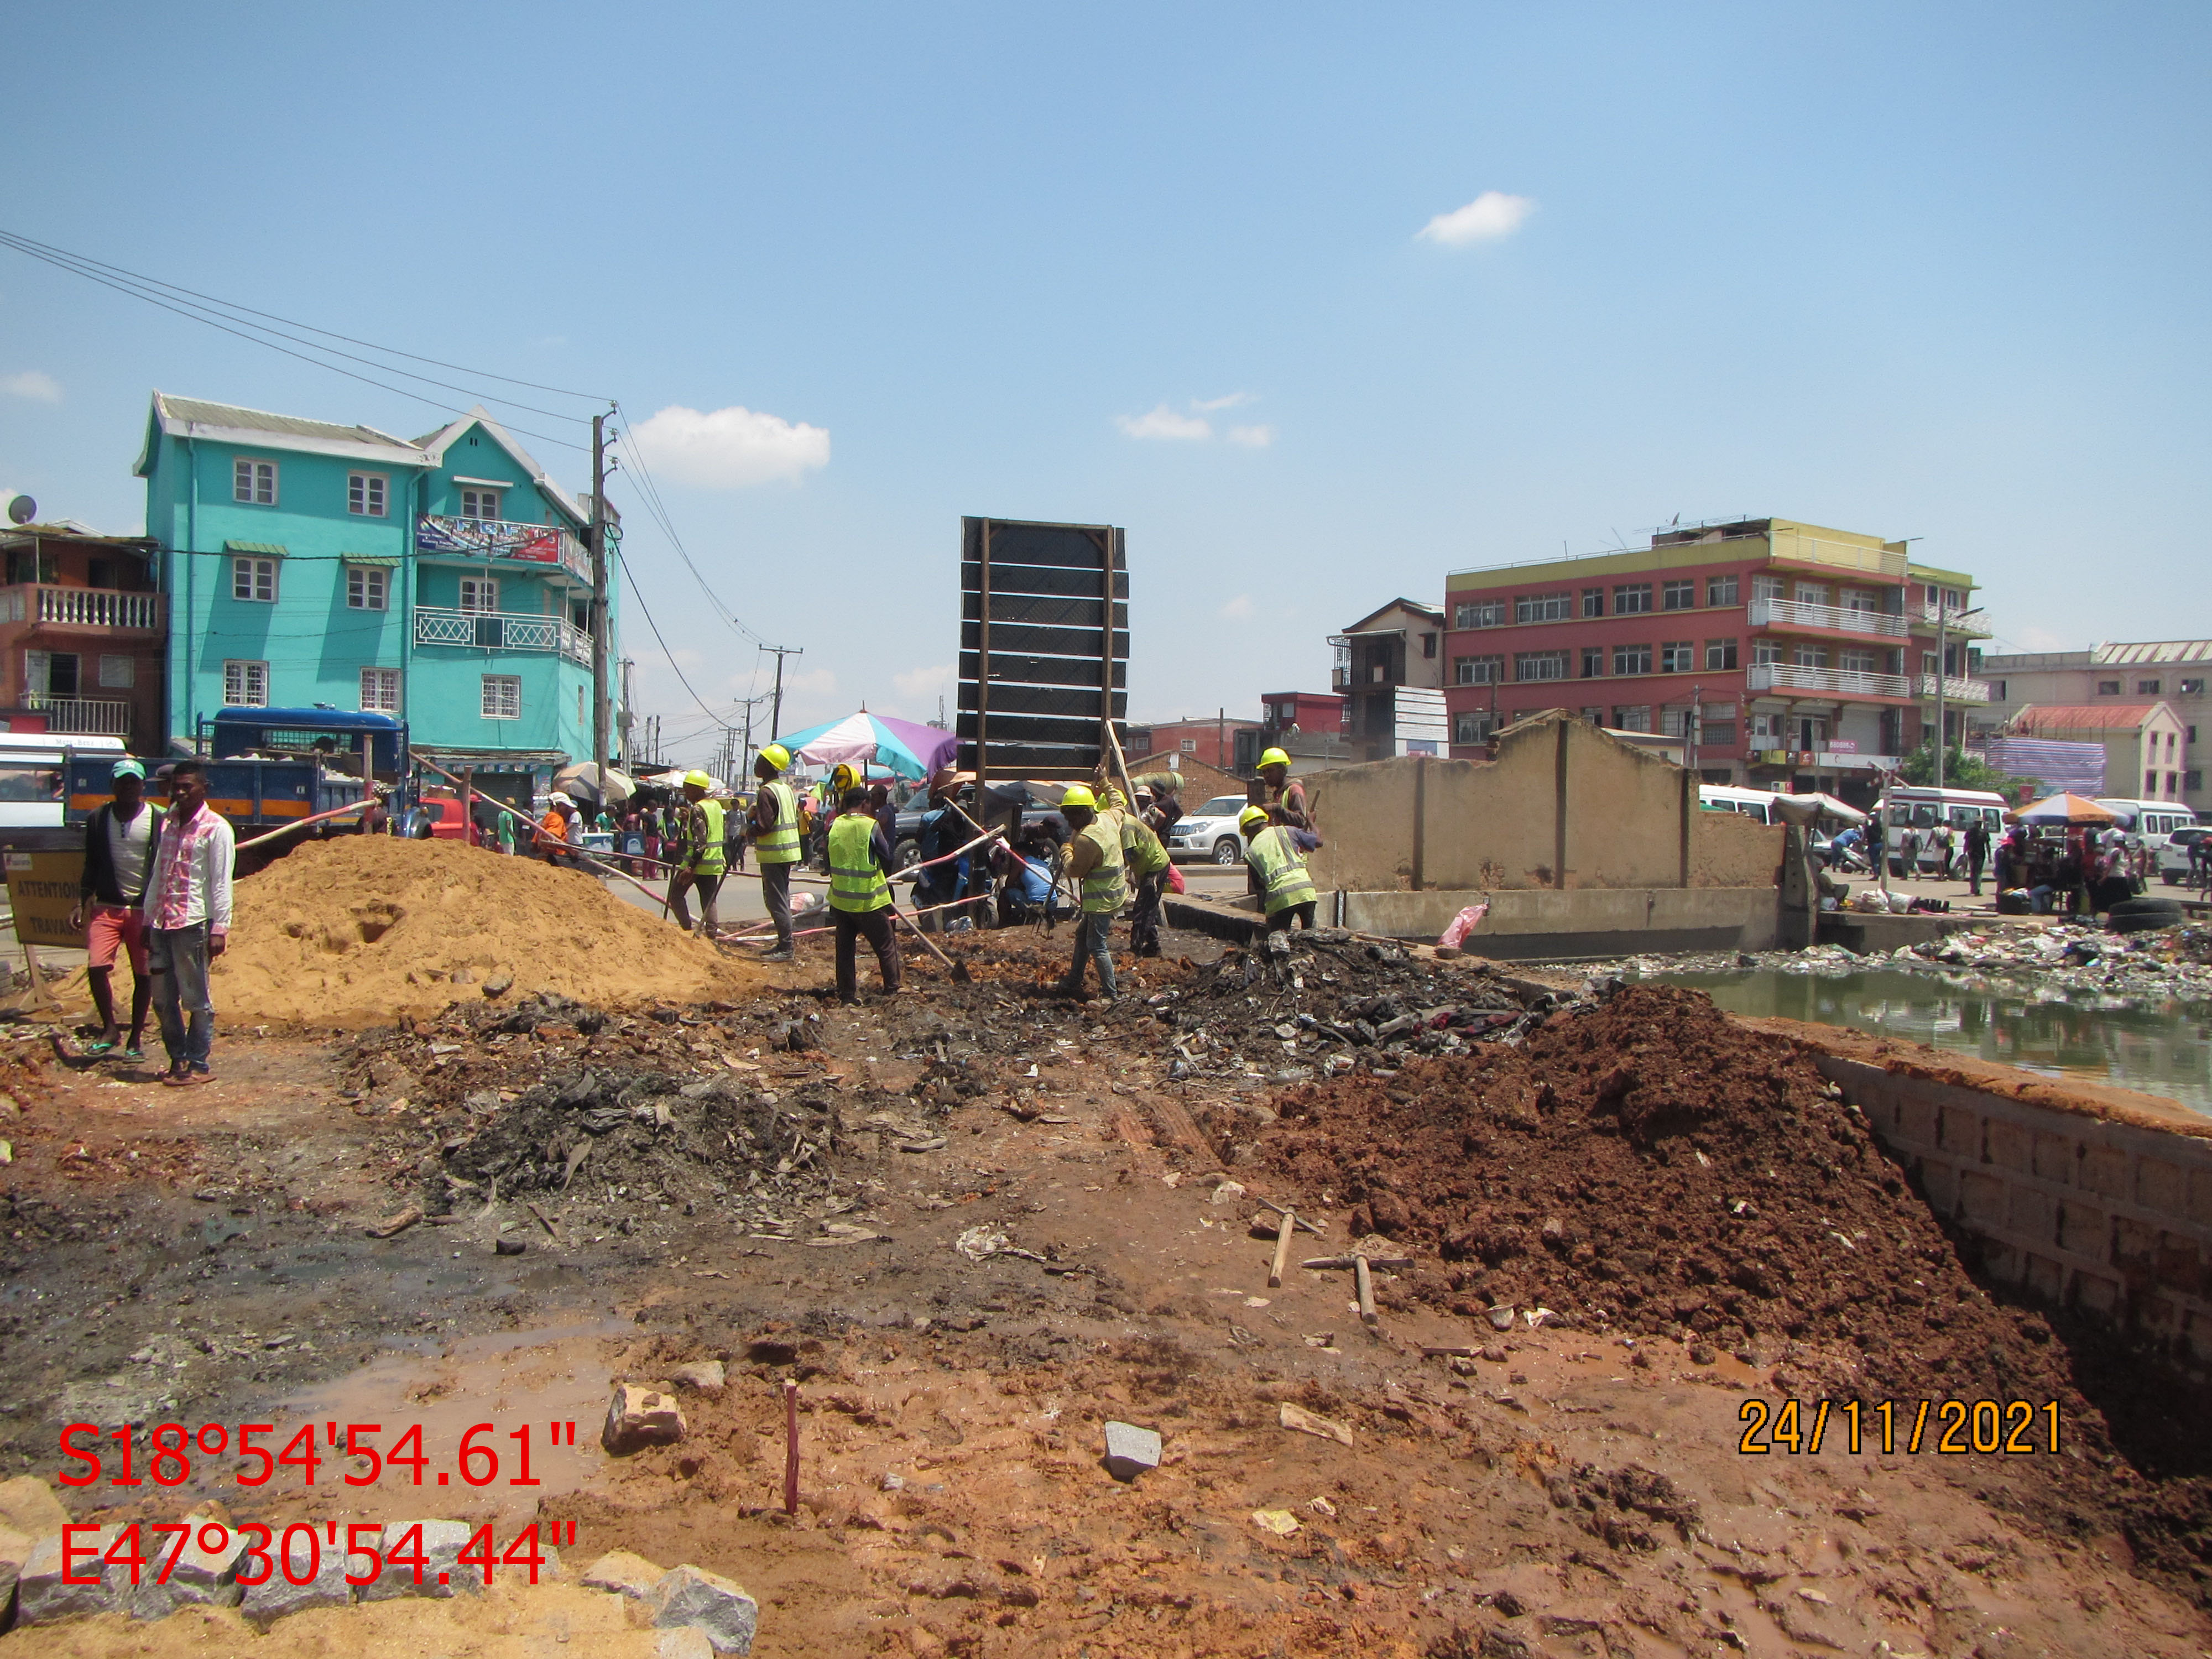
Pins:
x,y
1913,270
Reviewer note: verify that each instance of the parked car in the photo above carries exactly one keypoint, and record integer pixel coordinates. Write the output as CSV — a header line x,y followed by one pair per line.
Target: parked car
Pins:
x,y
2174,857
1210,832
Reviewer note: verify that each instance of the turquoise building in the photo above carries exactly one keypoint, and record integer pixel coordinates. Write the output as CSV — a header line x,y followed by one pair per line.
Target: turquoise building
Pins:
x,y
444,578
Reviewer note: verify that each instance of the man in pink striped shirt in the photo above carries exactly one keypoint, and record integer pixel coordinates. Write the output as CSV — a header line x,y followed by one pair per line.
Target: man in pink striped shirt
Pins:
x,y
187,909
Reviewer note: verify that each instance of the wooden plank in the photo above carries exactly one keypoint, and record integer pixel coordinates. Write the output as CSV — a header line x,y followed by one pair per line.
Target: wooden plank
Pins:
x,y
1063,580
1032,728
1043,641
1283,1235
1071,702
1007,667
1051,611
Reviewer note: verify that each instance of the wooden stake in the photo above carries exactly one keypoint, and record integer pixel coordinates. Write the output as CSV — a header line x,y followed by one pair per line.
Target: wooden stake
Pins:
x,y
1365,1281
790,1445
1282,1250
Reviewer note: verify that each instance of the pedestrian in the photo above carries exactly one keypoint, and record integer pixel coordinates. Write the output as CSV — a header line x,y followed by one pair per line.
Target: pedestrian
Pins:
x,y
1908,851
1940,844
1094,858
701,860
505,833
1287,797
861,895
940,882
775,824
119,843
553,828
187,914
1274,855
1146,860
1978,852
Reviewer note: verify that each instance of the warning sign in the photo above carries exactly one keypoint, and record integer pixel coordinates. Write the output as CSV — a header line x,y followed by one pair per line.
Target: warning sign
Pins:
x,y
42,890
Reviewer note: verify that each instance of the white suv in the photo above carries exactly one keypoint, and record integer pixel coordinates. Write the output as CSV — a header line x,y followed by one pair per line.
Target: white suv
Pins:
x,y
2174,857
1210,832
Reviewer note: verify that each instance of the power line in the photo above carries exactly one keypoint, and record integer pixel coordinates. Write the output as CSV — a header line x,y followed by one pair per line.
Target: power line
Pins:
x,y
649,493
215,320
646,611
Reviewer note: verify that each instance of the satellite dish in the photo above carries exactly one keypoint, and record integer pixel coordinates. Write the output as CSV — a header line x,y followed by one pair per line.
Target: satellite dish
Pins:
x,y
21,509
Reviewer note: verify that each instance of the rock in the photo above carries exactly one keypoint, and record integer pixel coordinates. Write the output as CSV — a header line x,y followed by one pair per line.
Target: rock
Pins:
x,y
1228,1191
706,1377
27,1504
684,1641
42,1596
442,1572
15,1548
707,1603
1501,1318
638,1417
1130,1450
278,1595
499,984
201,1579
622,1574
1281,1523
509,1246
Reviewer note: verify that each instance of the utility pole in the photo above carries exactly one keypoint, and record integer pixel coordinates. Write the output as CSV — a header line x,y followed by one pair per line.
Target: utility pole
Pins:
x,y
775,715
598,534
622,727
1939,690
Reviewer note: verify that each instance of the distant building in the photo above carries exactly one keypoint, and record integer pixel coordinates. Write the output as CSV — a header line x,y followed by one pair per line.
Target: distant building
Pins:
x,y
1399,647
1200,782
1784,655
2144,743
2114,676
84,634
1212,742
444,578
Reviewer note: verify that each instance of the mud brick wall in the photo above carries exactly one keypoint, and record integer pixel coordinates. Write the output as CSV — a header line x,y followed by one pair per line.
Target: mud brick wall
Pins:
x,y
2110,1215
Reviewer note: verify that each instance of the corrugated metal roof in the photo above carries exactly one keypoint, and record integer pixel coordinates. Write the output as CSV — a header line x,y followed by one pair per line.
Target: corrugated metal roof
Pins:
x,y
274,550
2155,651
202,413
2082,717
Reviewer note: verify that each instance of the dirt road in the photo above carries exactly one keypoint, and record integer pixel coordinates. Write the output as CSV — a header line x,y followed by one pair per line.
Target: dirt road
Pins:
x,y
975,1224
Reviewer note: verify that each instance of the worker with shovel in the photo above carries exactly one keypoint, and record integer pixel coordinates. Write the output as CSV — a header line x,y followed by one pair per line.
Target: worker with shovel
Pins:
x,y
1276,853
774,821
1094,858
861,895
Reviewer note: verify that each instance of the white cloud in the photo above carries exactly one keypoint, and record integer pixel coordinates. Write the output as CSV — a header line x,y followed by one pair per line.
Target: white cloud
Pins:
x,y
1231,402
921,684
729,448
1488,218
1165,422
32,384
1240,609
1252,437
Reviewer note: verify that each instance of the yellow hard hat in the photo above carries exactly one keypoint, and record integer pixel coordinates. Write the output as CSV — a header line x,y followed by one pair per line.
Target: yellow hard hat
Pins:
x,y
844,777
1273,757
777,756
1250,816
1077,795
699,779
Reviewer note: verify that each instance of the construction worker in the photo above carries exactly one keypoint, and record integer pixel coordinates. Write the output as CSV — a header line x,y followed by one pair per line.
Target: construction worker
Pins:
x,y
1094,858
702,860
861,895
1275,854
1286,798
1146,860
774,822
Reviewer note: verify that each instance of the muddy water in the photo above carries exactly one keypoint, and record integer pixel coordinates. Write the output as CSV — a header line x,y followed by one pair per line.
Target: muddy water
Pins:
x,y
2163,1048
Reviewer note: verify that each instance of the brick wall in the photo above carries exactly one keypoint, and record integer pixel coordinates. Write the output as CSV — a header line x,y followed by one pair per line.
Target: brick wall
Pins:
x,y
2113,1217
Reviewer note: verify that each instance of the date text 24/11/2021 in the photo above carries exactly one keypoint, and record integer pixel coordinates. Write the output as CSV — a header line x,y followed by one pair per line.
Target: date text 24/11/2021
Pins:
x,y
2013,1428
170,1448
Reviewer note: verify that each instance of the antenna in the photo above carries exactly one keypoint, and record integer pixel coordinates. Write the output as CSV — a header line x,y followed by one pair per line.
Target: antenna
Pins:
x,y
21,509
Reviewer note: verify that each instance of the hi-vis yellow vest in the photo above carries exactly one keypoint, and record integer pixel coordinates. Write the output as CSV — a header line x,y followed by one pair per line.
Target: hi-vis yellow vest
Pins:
x,y
856,883
1281,869
781,844
710,860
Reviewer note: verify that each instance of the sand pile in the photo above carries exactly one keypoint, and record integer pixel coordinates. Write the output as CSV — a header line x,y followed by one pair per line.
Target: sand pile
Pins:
x,y
354,931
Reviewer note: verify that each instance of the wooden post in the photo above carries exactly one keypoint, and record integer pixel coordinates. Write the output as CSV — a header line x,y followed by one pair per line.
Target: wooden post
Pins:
x,y
1290,1225
983,683
790,1445
1365,1282
469,802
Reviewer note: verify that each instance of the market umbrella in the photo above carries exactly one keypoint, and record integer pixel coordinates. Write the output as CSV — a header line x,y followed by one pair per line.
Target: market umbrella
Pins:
x,y
583,778
1804,809
673,779
910,750
2065,809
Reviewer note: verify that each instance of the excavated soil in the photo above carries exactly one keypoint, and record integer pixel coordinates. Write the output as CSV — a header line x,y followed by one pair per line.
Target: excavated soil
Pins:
x,y
355,931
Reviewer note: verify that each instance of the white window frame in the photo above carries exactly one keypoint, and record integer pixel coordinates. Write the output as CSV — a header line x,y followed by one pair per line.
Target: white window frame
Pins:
x,y
369,494
369,587
380,691
253,483
1479,613
1632,598
239,675
1678,657
1720,656
480,595
500,698
1681,588
247,573
1720,590
474,501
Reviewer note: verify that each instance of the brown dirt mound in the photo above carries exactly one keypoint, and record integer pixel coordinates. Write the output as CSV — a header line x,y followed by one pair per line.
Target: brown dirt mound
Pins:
x,y
355,931
1654,1167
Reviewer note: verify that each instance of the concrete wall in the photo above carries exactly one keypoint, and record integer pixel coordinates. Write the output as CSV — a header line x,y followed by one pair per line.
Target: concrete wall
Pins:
x,y
2108,1211
1548,923
1563,806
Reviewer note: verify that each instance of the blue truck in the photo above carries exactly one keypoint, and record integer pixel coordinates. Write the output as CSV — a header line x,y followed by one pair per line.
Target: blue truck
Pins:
x,y
268,767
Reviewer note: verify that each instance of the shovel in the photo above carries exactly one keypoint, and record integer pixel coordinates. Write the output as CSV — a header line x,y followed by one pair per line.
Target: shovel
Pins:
x,y
959,968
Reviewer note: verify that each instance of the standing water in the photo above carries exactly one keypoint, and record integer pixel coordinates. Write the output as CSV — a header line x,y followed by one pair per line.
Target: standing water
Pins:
x,y
2160,1048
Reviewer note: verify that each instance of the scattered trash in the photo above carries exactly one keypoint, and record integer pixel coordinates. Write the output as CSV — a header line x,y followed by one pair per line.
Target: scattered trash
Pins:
x,y
1306,1422
1281,1523
394,1225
